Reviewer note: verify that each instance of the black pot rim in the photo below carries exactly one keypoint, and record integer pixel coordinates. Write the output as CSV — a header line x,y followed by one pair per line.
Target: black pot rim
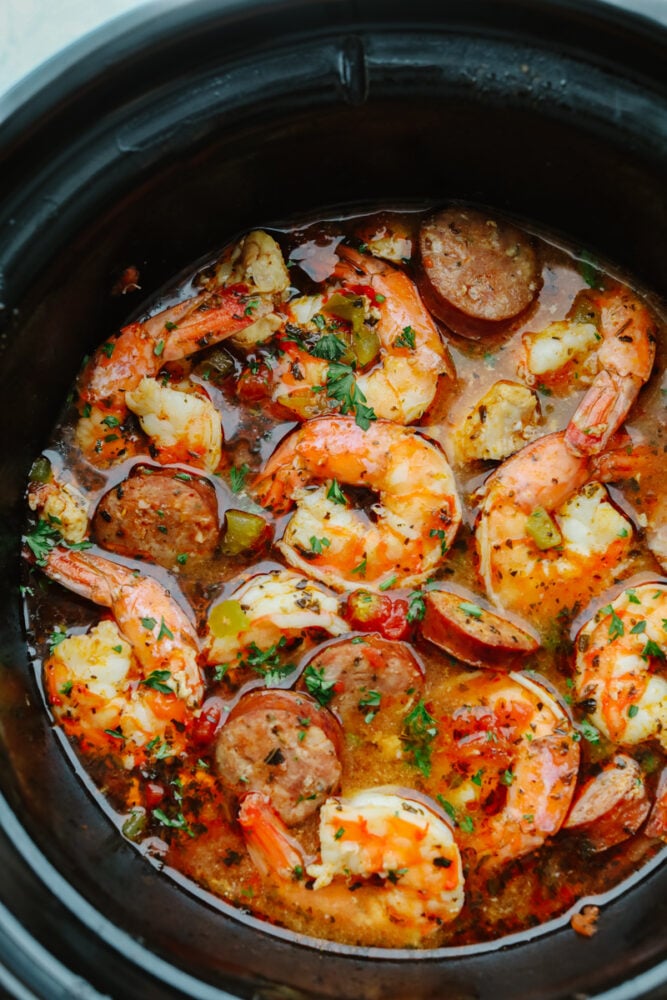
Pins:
x,y
30,102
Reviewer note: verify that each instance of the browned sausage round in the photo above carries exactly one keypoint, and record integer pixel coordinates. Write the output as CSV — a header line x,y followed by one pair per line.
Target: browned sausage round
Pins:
x,y
657,822
365,676
475,268
284,744
157,515
474,634
611,806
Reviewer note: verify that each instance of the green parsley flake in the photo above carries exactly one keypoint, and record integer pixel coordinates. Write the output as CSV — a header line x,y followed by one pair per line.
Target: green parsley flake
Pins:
x,y
336,494
407,338
318,685
237,477
157,681
419,732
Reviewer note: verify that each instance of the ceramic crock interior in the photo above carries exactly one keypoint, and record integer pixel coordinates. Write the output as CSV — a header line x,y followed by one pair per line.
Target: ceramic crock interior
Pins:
x,y
214,119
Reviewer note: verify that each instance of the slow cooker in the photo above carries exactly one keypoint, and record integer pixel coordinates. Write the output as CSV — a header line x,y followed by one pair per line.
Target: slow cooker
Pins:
x,y
152,145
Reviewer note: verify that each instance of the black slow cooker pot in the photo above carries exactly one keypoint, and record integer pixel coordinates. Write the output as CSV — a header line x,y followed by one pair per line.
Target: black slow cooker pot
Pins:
x,y
157,144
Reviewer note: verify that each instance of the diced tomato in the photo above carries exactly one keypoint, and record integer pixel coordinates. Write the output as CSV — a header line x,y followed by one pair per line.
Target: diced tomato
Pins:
x,y
253,384
205,726
368,612
366,290
154,793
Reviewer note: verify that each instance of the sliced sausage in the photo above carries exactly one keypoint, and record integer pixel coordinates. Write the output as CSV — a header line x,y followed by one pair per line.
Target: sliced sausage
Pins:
x,y
474,634
657,822
475,271
161,515
283,744
366,675
611,806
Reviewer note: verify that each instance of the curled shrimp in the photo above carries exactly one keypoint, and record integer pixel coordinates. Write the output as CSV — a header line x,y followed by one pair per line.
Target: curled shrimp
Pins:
x,y
610,343
102,697
641,467
547,530
403,382
506,762
117,378
621,677
266,611
413,521
162,637
389,872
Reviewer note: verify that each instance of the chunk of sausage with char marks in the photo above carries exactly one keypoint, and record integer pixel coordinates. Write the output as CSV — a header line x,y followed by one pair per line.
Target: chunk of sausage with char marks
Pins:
x,y
162,515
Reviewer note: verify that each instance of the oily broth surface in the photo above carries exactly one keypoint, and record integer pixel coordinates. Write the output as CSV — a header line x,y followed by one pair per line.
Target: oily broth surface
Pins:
x,y
526,892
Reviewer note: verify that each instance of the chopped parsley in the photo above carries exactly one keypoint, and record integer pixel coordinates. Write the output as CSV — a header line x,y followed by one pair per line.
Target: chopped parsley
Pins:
x,y
56,638
407,338
318,544
237,477
462,820
266,662
371,700
41,540
439,533
177,822
318,685
471,609
165,632
157,681
336,494
419,732
342,386
589,732
652,649
329,347
416,606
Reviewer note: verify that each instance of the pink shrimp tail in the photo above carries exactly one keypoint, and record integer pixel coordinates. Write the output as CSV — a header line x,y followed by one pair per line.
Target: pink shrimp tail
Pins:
x,y
142,348
354,265
79,573
269,844
601,412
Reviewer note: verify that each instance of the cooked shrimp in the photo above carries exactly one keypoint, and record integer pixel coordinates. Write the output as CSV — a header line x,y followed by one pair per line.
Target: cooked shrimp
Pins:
x,y
614,348
142,348
389,871
268,609
63,506
414,520
506,763
501,422
643,467
183,426
161,635
101,696
545,529
411,357
620,665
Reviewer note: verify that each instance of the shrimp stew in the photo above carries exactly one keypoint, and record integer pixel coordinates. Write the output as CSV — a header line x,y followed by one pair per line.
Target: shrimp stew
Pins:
x,y
345,567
